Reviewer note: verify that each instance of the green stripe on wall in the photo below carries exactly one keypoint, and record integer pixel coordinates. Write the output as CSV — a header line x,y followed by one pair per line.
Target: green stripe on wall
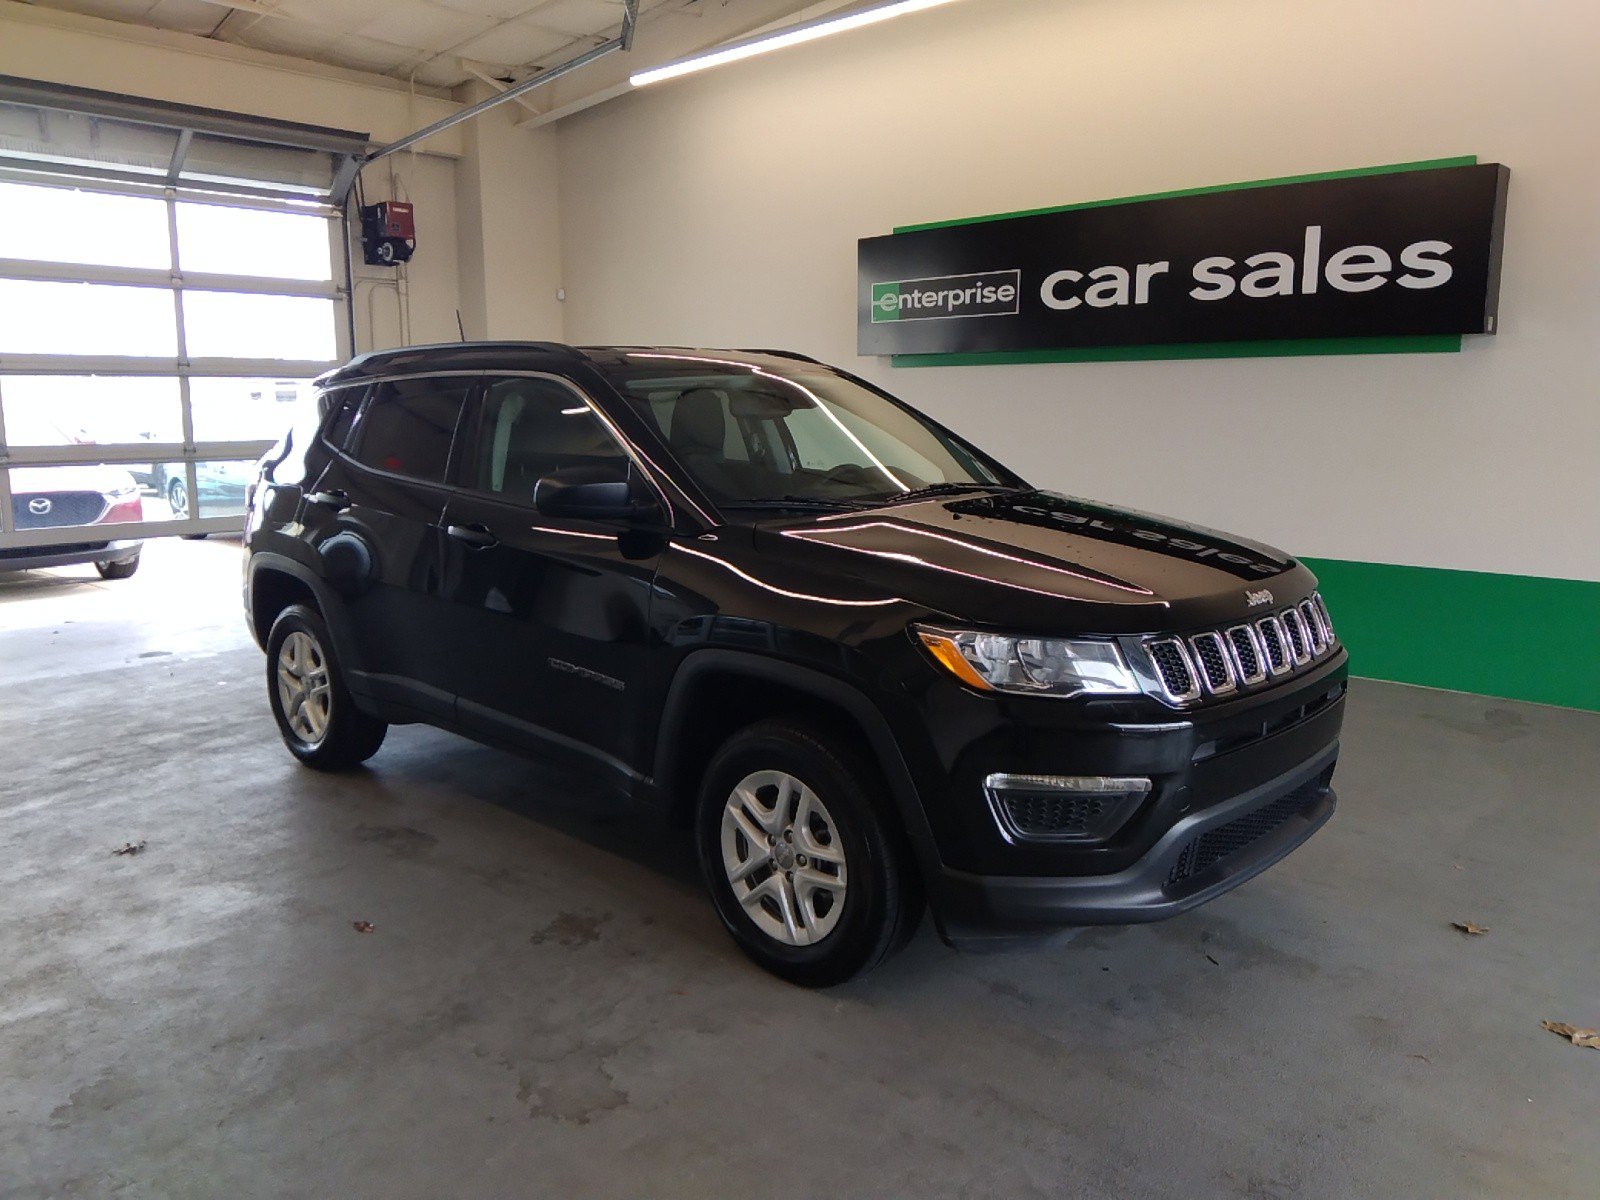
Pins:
x,y
1518,636
1442,343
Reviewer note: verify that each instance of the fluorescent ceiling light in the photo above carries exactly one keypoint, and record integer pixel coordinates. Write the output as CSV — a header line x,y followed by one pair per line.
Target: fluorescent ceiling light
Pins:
x,y
795,35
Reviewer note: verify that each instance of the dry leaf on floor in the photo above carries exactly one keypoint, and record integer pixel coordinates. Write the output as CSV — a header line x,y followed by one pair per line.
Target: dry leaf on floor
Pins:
x,y
361,926
1469,927
1578,1037
129,848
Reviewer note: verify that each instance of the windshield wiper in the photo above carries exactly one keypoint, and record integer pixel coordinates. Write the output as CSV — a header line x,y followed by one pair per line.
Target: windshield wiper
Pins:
x,y
944,489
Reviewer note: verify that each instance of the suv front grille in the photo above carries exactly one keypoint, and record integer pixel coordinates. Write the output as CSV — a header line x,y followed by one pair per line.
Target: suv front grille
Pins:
x,y
1216,662
60,509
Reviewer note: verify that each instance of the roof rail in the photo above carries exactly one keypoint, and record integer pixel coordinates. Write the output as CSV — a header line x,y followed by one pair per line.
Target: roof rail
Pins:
x,y
778,353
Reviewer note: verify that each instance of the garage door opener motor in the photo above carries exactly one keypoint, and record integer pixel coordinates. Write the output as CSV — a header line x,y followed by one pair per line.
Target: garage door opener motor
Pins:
x,y
388,233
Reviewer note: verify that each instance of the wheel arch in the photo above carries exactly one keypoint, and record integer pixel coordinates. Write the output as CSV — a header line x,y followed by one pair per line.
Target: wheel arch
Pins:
x,y
716,692
275,582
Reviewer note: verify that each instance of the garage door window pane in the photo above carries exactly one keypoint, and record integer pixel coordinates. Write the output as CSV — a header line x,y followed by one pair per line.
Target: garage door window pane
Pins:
x,y
86,318
239,410
80,500
78,410
61,225
239,325
243,241
220,487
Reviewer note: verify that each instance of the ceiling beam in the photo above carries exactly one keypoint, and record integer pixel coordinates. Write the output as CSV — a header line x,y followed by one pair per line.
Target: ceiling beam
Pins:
x,y
624,39
608,83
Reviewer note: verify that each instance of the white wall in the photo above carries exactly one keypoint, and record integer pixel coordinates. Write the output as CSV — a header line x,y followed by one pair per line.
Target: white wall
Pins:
x,y
416,303
724,209
509,234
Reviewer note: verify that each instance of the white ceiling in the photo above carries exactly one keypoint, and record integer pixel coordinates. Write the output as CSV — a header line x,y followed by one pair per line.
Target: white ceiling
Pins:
x,y
424,40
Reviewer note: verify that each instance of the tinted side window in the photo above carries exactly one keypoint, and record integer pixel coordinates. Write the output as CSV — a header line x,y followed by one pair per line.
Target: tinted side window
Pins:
x,y
407,426
534,427
345,403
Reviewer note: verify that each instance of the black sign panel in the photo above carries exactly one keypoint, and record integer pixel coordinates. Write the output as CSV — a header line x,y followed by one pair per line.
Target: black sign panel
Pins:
x,y
1403,253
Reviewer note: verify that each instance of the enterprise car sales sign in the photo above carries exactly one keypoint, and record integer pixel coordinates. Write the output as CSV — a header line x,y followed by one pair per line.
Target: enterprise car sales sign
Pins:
x,y
1408,252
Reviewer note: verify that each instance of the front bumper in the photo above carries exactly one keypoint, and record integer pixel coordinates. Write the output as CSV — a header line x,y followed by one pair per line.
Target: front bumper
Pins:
x,y
34,558
1221,770
1197,859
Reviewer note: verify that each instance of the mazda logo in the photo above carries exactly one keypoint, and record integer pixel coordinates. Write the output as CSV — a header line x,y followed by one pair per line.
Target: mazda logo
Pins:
x,y
39,506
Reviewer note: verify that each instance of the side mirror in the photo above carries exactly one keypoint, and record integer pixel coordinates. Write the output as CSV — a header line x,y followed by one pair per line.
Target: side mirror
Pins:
x,y
590,494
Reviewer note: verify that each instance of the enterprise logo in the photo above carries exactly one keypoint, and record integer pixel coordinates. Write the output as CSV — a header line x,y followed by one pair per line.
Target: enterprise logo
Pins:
x,y
987,294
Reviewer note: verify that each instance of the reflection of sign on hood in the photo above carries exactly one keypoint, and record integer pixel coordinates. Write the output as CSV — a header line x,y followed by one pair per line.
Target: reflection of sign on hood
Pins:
x,y
1124,527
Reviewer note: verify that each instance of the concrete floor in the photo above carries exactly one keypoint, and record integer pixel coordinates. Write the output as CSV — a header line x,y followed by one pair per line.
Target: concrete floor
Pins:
x,y
547,1006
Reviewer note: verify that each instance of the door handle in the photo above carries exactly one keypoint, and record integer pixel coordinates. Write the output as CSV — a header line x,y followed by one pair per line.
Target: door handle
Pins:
x,y
476,536
334,499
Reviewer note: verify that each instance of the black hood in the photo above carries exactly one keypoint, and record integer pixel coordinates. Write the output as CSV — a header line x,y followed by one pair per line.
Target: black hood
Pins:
x,y
1046,562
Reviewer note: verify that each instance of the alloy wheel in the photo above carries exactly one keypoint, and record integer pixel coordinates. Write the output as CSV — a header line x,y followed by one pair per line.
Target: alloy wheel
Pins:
x,y
304,691
784,858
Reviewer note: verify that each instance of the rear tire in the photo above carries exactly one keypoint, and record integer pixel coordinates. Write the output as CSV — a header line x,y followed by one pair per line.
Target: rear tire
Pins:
x,y
805,866
316,716
118,570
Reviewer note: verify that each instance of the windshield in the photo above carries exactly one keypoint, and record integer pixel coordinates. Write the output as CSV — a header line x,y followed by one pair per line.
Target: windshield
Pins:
x,y
756,434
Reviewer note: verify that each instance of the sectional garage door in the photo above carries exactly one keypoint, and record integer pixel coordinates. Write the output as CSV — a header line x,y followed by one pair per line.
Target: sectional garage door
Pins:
x,y
171,279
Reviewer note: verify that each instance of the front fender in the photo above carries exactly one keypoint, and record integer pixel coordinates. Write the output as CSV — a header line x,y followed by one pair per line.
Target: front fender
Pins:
x,y
840,694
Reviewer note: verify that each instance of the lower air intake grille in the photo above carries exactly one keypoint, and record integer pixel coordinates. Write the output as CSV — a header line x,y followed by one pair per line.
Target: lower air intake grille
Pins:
x,y
1046,816
1211,847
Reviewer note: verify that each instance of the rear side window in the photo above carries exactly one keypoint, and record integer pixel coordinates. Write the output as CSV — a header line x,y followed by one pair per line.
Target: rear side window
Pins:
x,y
345,403
532,428
407,426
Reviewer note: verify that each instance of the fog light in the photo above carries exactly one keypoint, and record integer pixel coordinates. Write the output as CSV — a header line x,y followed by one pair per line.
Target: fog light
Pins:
x,y
1063,808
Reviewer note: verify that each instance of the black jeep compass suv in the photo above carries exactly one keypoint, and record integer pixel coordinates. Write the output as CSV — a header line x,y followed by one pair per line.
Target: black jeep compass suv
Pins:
x,y
872,666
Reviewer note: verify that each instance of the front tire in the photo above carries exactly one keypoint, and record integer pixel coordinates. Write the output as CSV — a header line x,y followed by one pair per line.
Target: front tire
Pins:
x,y
118,570
806,869
178,499
319,721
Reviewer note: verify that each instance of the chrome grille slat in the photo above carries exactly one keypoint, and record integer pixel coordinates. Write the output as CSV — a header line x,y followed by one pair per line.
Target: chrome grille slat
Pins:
x,y
1174,668
1308,614
1214,662
1322,615
1277,645
1248,657
1219,662
1299,641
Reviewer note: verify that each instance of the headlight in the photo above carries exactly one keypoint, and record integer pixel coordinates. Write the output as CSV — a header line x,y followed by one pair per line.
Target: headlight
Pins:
x,y
1028,665
124,490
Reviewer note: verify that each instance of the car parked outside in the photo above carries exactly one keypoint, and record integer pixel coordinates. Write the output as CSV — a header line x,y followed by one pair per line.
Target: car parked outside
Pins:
x,y
86,504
